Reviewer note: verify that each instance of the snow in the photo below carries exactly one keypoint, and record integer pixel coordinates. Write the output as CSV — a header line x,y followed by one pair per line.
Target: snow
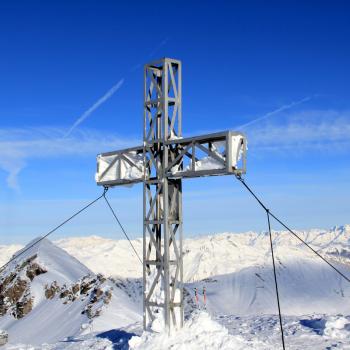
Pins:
x,y
103,255
121,312
62,267
40,325
207,256
198,333
240,311
7,251
338,327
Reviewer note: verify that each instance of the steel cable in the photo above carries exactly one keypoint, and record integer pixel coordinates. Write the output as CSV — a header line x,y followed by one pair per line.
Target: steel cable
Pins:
x,y
53,230
275,277
290,230
268,212
121,226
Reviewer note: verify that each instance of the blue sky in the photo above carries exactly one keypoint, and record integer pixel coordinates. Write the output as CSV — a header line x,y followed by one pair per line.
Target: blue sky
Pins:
x,y
284,62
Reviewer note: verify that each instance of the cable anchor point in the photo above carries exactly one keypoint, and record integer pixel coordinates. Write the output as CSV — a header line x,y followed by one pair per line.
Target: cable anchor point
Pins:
x,y
239,176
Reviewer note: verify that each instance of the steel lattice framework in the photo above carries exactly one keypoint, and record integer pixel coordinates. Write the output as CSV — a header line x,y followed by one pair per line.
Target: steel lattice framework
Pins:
x,y
162,242
161,163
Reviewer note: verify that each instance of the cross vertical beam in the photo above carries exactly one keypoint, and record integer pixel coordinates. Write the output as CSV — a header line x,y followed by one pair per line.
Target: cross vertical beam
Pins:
x,y
162,195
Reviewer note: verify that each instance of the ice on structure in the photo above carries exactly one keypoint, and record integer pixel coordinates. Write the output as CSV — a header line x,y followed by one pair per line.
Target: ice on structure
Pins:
x,y
173,136
121,169
219,148
158,297
237,149
208,163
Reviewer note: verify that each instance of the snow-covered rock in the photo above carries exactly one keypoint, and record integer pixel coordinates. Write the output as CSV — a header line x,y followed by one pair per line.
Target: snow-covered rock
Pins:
x,y
47,295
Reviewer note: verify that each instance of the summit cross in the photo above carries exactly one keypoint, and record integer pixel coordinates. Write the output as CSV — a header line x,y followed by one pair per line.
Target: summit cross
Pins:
x,y
164,159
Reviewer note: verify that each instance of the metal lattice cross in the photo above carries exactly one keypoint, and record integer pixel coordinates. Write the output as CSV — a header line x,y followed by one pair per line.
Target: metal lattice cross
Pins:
x,y
160,164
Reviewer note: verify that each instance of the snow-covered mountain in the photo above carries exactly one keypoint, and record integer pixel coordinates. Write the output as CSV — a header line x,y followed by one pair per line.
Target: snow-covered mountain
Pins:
x,y
47,295
207,256
234,268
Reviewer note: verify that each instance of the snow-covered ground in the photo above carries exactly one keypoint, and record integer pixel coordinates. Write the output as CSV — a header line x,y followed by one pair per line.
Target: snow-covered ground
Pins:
x,y
240,310
203,332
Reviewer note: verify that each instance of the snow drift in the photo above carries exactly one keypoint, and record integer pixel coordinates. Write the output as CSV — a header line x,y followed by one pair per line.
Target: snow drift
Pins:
x,y
200,332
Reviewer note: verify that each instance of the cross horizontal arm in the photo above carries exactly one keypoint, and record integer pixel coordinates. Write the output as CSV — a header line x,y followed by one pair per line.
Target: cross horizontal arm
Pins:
x,y
122,167
216,154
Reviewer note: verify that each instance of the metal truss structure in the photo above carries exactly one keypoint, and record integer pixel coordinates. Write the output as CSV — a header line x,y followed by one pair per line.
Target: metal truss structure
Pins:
x,y
160,164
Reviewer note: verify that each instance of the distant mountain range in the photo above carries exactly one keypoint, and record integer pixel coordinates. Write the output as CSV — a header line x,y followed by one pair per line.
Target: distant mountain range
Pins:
x,y
95,283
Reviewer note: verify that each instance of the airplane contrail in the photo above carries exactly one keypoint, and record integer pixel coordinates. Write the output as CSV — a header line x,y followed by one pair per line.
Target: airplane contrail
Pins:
x,y
156,49
110,92
98,103
276,111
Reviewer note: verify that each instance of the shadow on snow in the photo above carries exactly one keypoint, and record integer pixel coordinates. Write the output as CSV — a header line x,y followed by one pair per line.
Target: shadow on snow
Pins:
x,y
317,325
118,337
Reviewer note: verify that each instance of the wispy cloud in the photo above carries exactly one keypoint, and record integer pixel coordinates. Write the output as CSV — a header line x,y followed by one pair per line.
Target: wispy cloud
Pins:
x,y
97,104
294,133
276,111
19,146
303,132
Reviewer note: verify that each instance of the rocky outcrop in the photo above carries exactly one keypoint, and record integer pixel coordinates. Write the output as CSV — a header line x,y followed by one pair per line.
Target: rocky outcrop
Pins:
x,y
91,287
65,280
3,337
23,307
34,270
52,290
15,296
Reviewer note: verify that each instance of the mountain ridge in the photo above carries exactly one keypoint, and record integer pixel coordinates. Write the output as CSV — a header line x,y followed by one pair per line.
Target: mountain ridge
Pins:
x,y
94,282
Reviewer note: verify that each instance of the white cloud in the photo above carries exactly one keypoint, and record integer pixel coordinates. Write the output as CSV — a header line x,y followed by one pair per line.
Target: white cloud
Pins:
x,y
276,111
18,146
303,131
292,134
